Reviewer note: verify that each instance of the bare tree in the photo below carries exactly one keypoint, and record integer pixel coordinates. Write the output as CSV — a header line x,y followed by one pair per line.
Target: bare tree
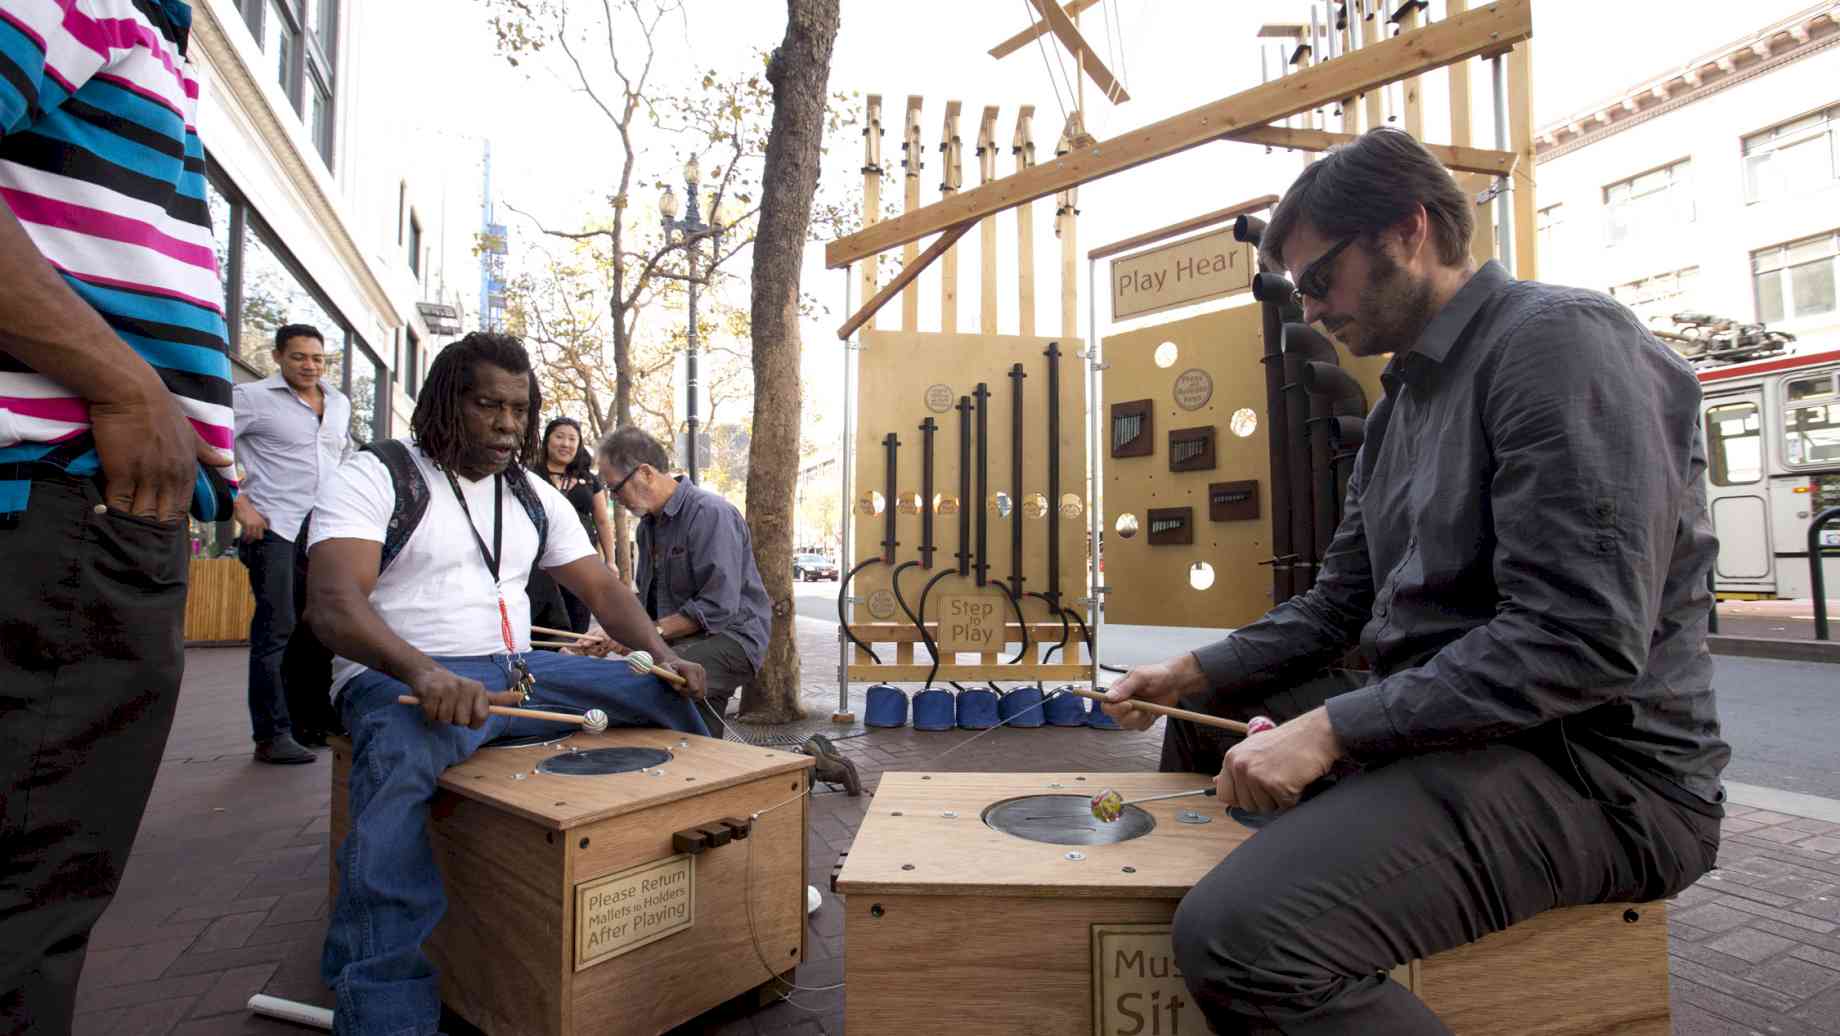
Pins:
x,y
799,72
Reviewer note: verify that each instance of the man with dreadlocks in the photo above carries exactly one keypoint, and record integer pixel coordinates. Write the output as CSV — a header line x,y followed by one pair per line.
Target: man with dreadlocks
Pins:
x,y
447,620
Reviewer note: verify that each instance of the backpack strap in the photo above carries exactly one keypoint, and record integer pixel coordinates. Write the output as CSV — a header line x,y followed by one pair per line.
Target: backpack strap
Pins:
x,y
411,495
526,495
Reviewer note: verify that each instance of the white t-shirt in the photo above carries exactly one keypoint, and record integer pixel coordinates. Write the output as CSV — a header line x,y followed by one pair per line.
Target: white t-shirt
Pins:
x,y
438,594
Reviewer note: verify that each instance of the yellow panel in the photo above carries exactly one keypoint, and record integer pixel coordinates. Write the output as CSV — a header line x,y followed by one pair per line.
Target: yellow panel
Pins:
x,y
1150,585
897,371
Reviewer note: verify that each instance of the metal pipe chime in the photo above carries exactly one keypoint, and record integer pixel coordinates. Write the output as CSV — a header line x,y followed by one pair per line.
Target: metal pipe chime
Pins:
x,y
982,563
892,447
1187,449
1304,347
1016,374
1269,289
965,500
1297,457
1053,353
927,427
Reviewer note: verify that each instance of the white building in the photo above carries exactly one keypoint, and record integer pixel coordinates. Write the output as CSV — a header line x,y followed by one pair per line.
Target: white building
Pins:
x,y
326,211
1714,188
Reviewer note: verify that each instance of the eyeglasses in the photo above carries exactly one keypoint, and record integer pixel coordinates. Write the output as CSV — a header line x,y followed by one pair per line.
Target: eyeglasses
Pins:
x,y
1314,281
614,490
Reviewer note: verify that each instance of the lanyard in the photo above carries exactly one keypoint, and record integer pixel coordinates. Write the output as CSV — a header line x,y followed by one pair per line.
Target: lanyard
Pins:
x,y
490,557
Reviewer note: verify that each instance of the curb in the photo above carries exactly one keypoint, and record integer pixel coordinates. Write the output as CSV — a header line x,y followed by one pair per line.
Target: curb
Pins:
x,y
1775,647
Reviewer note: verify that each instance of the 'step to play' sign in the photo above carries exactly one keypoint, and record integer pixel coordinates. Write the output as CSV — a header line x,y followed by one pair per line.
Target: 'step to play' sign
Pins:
x,y
1189,271
622,912
970,622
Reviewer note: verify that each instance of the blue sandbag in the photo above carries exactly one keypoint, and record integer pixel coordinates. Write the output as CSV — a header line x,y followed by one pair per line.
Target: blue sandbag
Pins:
x,y
1096,717
933,710
1065,710
887,707
977,708
1021,708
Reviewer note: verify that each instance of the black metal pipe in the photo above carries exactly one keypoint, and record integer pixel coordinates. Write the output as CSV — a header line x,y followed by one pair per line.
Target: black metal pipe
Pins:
x,y
1053,596
965,501
927,428
1712,612
893,447
982,562
1276,424
1297,457
1304,348
1817,578
1347,413
1249,230
1016,374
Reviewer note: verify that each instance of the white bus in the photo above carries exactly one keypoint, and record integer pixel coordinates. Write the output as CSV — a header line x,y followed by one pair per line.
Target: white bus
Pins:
x,y
1773,462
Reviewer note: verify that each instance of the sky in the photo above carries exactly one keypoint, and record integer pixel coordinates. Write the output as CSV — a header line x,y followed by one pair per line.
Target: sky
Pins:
x,y
553,156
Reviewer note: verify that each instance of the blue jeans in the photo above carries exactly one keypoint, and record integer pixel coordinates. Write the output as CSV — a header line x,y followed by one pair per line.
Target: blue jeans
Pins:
x,y
270,561
390,894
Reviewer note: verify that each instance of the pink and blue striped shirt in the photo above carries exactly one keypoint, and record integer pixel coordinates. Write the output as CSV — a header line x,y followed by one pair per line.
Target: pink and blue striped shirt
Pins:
x,y
101,163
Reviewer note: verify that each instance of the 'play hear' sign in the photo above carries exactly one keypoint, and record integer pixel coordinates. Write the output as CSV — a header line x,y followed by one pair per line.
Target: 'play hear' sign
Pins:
x,y
1192,270
970,622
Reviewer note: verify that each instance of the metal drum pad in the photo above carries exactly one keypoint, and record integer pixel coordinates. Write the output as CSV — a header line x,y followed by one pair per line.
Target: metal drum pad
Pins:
x,y
1065,820
597,762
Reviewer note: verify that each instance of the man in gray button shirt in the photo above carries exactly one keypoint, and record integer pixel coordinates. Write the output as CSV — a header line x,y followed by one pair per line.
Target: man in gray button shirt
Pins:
x,y
695,567
1523,565
292,432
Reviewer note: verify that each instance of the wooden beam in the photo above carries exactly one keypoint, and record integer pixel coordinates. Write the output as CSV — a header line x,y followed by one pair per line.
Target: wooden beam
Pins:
x,y
1456,159
1024,670
902,279
1484,30
1178,229
1028,35
1069,35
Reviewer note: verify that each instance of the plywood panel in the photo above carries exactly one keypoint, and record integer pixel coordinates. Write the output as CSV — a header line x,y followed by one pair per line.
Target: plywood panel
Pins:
x,y
897,371
218,604
1150,584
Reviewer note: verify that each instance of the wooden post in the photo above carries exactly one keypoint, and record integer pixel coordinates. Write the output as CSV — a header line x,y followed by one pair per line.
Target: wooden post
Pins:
x,y
951,178
1410,16
1372,32
1022,146
987,244
1350,36
1462,133
1520,130
872,191
1302,58
912,162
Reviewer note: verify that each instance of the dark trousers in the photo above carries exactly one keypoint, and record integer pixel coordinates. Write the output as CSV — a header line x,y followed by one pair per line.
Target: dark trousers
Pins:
x,y
270,561
91,654
1294,931
726,662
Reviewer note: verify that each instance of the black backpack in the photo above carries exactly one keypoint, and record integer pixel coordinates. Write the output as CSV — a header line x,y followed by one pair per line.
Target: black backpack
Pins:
x,y
306,664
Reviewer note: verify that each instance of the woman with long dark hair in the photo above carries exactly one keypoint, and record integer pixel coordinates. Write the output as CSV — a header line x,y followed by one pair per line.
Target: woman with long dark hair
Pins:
x,y
564,460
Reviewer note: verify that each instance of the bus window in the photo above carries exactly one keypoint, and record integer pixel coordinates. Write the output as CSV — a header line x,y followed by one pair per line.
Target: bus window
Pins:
x,y
1808,388
1734,444
1813,434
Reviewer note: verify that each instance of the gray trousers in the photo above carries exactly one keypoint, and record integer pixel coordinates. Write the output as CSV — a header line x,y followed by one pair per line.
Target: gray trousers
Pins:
x,y
726,662
1295,930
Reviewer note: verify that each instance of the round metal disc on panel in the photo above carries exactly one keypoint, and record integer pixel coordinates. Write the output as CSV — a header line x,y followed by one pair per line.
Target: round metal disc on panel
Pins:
x,y
1064,820
597,762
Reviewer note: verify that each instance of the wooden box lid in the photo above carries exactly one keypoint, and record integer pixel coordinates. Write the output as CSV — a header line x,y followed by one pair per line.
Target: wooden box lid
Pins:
x,y
698,765
960,855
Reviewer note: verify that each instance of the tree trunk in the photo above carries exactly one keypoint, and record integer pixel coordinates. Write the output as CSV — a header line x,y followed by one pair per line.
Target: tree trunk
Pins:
x,y
800,75
622,390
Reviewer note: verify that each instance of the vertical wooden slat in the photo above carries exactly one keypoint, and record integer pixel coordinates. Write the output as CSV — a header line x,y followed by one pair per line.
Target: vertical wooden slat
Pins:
x,y
1411,18
1066,228
912,160
987,243
1461,127
1023,148
1373,30
951,177
872,192
1520,133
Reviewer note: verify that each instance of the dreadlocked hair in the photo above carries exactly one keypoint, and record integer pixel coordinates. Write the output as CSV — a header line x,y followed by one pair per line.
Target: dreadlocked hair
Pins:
x,y
439,429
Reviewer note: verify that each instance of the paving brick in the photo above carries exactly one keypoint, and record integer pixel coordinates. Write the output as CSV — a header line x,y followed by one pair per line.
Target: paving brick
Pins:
x,y
1822,1012
224,960
1820,844
119,936
1825,958
1714,917
1799,920
232,990
96,998
228,932
1798,886
1827,908
132,964
213,910
299,906
1785,835
1731,985
1794,976
1813,826
1764,816
150,1019
1759,1019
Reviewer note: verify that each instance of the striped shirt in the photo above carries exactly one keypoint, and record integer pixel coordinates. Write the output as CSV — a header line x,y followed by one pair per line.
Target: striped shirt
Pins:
x,y
101,163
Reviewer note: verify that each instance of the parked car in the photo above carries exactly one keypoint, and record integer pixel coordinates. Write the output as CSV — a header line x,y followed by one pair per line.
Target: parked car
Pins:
x,y
813,566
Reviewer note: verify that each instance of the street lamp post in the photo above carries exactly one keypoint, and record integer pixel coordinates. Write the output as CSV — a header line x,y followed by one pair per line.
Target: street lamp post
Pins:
x,y
690,231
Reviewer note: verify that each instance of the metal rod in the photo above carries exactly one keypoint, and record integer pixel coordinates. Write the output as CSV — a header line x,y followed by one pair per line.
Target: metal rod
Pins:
x,y
1095,514
1817,576
892,448
1163,710
1504,218
1053,353
982,562
927,427
847,539
965,501
1016,374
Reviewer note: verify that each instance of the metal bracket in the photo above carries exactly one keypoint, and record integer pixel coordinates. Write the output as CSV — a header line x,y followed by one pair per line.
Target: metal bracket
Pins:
x,y
1102,366
1102,589
1494,190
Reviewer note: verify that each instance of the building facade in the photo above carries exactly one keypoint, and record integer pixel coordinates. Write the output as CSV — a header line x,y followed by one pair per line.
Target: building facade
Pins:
x,y
1714,188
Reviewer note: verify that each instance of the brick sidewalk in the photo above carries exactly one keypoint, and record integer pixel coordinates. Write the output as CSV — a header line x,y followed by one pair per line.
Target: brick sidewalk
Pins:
x,y
225,895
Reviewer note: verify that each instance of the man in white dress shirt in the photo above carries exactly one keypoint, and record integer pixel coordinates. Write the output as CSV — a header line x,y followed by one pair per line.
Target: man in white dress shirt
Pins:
x,y
292,432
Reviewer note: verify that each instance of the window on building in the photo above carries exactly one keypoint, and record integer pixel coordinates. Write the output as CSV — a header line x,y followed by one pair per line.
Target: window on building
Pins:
x,y
370,381
412,364
1550,219
1792,160
1647,205
1656,299
273,293
1734,440
300,37
1795,280
415,247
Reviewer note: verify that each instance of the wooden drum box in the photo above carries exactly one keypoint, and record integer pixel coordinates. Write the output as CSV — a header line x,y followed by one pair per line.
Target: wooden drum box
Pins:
x,y
618,903
956,926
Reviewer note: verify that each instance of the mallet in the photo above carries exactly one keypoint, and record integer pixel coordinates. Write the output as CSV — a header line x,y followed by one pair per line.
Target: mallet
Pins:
x,y
1258,722
593,721
641,661
1109,805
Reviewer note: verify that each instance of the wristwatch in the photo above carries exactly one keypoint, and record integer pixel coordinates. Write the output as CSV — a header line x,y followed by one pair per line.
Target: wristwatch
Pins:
x,y
660,630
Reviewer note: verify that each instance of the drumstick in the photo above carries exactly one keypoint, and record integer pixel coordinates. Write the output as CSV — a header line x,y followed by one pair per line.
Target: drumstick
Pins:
x,y
555,643
1163,710
571,634
593,721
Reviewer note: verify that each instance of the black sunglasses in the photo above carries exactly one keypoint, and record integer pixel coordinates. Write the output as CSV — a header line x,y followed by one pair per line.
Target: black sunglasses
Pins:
x,y
1314,281
614,490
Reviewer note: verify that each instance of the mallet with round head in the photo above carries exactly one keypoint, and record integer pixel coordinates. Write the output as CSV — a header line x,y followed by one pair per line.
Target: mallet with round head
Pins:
x,y
593,721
